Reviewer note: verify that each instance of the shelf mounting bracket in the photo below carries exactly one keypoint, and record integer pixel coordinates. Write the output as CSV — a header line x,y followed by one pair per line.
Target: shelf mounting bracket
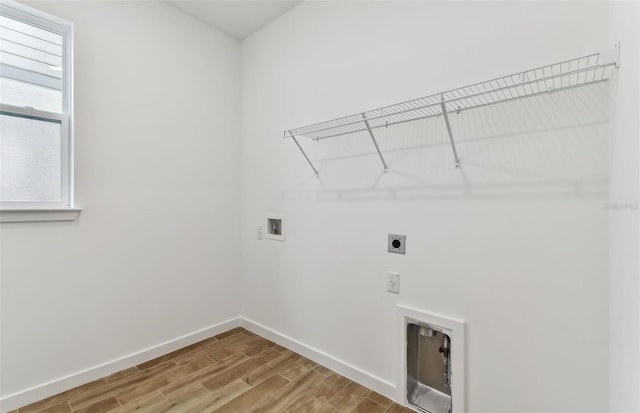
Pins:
x,y
375,143
446,122
303,153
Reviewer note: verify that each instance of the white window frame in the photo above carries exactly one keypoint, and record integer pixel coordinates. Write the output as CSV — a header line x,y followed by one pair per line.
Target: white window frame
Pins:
x,y
20,211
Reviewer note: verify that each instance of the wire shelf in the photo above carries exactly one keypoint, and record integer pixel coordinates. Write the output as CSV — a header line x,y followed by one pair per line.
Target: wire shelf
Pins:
x,y
586,70
570,73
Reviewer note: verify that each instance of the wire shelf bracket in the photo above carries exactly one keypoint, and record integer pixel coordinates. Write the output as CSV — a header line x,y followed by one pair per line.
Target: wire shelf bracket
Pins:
x,y
445,115
586,70
315,171
375,143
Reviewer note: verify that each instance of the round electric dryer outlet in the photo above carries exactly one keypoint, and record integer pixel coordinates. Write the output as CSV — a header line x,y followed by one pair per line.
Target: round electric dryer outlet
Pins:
x,y
396,243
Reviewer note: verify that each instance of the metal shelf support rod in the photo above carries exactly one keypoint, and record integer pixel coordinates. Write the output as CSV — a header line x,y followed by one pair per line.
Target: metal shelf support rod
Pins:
x,y
375,143
446,122
304,154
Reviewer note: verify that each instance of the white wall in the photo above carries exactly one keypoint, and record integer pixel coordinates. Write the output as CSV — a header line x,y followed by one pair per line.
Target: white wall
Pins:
x,y
154,254
515,243
624,20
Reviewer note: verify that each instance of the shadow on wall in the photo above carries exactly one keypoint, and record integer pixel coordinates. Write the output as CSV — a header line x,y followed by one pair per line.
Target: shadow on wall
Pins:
x,y
548,146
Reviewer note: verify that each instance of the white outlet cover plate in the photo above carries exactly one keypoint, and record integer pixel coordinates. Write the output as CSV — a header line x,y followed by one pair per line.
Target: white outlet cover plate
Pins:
x,y
260,232
393,282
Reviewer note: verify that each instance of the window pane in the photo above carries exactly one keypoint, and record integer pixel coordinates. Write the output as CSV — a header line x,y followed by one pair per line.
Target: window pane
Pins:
x,y
30,159
21,94
32,59
29,30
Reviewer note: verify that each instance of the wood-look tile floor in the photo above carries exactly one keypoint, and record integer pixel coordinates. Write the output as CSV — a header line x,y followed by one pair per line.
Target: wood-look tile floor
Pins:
x,y
236,371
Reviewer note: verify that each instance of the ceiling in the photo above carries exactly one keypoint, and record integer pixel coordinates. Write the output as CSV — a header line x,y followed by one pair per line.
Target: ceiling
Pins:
x,y
239,18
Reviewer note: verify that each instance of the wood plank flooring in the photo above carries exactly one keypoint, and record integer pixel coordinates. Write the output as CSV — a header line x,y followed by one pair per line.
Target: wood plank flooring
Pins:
x,y
236,371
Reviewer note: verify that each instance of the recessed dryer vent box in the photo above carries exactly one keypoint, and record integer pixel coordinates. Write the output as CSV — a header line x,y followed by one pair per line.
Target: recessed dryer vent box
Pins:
x,y
432,362
275,227
428,368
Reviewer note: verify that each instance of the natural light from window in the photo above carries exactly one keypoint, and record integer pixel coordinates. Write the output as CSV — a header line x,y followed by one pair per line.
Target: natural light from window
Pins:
x,y
35,109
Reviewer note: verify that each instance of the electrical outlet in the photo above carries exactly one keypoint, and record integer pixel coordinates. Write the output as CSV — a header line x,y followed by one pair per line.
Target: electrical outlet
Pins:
x,y
260,232
393,282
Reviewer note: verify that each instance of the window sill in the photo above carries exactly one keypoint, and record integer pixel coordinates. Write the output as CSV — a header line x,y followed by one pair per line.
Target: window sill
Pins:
x,y
39,215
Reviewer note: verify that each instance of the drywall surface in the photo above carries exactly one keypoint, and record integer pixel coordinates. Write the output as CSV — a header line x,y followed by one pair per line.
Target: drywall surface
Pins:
x,y
154,254
624,20
514,243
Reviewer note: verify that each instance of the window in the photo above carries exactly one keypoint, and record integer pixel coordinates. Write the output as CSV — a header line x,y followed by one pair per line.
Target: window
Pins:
x,y
36,111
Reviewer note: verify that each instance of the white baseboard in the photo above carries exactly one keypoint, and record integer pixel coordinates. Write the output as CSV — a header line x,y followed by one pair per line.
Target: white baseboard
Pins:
x,y
351,372
25,397
34,394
